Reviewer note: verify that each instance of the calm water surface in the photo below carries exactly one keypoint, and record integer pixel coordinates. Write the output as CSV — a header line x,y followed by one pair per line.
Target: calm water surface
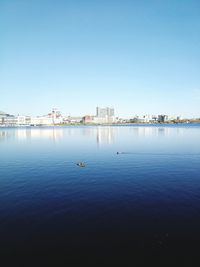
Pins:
x,y
146,198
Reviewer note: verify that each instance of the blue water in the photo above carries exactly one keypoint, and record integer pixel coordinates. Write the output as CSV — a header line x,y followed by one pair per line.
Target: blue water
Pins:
x,y
146,198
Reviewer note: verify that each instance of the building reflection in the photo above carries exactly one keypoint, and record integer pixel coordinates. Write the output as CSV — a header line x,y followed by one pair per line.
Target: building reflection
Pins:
x,y
145,131
32,133
105,135
46,133
4,135
102,134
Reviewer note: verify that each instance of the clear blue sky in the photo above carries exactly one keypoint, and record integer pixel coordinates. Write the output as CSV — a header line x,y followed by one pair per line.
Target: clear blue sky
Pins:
x,y
141,57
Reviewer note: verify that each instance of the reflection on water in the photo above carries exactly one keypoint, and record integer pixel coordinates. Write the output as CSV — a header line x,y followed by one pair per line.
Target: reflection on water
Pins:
x,y
105,135
157,131
32,133
102,134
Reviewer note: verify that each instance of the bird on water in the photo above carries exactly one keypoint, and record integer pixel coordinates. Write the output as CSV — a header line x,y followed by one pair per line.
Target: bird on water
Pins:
x,y
80,164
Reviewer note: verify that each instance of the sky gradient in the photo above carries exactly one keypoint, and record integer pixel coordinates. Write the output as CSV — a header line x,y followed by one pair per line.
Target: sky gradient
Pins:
x,y
140,57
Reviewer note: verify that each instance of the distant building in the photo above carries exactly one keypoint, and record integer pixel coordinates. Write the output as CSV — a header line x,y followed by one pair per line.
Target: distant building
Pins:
x,y
104,115
163,118
88,119
22,120
43,120
144,119
105,112
75,119
122,120
56,116
11,120
2,116
53,118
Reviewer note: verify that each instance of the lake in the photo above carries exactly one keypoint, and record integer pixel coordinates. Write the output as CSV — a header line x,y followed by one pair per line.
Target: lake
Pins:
x,y
138,194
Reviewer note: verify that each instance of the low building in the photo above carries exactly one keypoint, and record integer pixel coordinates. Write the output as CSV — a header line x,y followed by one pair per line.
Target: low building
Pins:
x,y
56,116
75,120
41,121
88,119
104,120
22,120
122,120
145,119
9,120
6,119
163,118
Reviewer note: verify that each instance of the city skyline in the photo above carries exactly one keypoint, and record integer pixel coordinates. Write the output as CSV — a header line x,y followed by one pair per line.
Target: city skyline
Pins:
x,y
101,112
141,57
104,115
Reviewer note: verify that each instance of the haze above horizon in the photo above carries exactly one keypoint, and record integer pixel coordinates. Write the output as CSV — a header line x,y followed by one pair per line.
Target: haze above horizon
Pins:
x,y
140,57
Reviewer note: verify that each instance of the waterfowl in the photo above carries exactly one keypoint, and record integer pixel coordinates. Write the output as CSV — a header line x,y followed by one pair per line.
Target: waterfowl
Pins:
x,y
80,164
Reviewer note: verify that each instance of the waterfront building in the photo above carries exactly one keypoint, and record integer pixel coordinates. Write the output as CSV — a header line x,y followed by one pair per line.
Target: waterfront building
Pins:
x,y
163,118
2,116
6,118
179,118
105,112
88,119
11,120
104,115
43,120
72,120
21,120
56,116
144,119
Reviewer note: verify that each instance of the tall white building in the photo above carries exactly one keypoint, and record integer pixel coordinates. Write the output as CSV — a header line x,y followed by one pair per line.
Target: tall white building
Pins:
x,y
105,115
103,112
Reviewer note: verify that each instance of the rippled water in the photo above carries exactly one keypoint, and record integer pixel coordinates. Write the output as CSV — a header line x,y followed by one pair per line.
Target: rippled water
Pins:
x,y
144,198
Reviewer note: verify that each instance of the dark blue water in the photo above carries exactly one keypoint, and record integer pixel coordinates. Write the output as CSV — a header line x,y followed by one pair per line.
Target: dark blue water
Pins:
x,y
146,199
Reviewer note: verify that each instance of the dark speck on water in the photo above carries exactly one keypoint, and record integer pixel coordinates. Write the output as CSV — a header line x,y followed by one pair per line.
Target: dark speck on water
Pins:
x,y
81,164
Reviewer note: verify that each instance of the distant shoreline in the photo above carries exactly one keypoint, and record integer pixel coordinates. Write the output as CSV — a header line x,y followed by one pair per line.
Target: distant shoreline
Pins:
x,y
113,124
